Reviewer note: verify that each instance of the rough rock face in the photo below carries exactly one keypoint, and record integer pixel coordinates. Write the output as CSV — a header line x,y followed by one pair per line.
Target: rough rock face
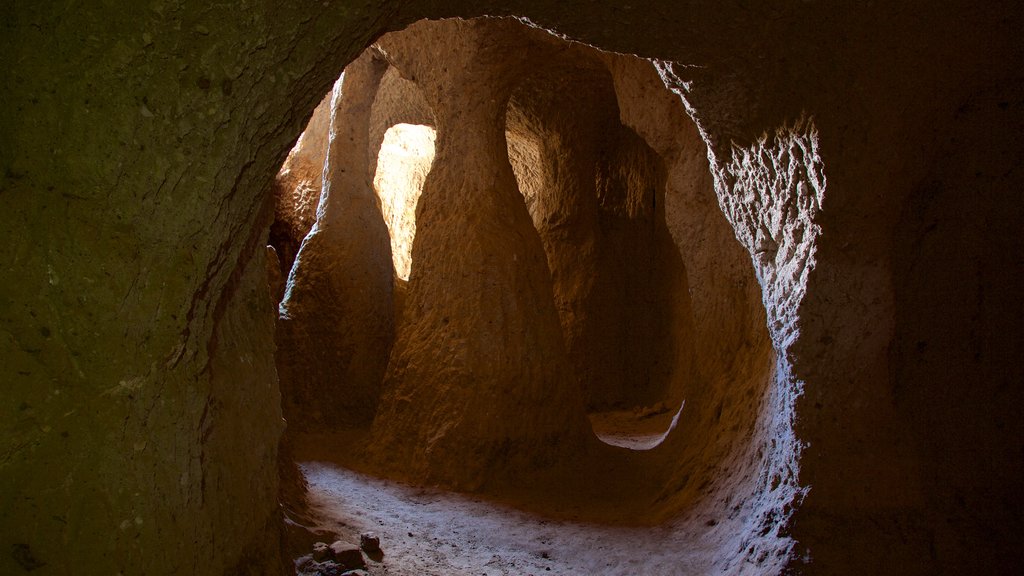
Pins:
x,y
866,157
339,292
298,185
615,190
478,382
596,194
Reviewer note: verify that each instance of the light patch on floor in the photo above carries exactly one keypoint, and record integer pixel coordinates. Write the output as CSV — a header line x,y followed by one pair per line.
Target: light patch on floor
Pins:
x,y
430,532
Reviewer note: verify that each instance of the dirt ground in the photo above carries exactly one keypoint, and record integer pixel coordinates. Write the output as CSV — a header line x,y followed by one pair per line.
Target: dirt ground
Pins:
x,y
429,532
426,531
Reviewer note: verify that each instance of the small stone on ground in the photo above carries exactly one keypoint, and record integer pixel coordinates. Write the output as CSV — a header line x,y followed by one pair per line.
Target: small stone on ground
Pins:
x,y
321,551
369,542
347,556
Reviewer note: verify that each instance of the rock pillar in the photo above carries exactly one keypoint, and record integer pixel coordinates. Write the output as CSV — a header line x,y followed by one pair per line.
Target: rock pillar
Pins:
x,y
336,324
479,384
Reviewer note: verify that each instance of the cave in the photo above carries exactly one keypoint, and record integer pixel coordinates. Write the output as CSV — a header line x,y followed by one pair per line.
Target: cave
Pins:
x,y
678,288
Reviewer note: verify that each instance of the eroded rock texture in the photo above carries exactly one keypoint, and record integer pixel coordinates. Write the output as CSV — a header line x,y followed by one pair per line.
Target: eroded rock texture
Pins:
x,y
298,185
337,323
596,193
478,381
866,158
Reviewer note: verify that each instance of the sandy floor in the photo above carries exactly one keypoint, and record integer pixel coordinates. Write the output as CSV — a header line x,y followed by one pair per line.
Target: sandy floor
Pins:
x,y
427,532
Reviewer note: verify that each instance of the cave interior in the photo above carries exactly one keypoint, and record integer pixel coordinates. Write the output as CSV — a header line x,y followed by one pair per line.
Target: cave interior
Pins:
x,y
733,289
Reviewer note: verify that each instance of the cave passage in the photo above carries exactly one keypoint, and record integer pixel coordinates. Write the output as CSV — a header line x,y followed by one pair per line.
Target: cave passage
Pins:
x,y
404,161
514,278
725,288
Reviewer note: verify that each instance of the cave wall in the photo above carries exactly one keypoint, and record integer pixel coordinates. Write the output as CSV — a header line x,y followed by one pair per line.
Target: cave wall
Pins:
x,y
141,412
953,350
600,198
138,147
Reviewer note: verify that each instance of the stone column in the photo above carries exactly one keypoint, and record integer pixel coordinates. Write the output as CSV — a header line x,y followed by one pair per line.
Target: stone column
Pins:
x,y
336,325
478,385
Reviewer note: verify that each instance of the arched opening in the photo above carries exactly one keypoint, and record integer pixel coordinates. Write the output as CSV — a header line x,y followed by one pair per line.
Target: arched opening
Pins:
x,y
572,280
142,411
596,193
403,162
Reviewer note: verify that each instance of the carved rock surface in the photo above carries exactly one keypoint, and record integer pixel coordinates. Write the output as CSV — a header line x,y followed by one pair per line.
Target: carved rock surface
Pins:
x,y
478,381
865,156
297,187
570,254
336,323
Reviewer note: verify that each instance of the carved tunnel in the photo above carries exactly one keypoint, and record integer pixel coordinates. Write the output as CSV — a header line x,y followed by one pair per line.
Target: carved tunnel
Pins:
x,y
778,249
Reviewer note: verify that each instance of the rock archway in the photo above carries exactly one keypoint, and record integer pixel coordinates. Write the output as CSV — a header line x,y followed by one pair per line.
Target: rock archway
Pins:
x,y
558,285
141,413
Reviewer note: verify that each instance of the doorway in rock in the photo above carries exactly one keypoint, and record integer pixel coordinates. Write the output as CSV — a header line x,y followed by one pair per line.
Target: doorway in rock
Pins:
x,y
516,279
596,193
406,154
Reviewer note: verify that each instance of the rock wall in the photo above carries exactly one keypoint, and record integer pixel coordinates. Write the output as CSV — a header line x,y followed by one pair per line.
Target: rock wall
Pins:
x,y
140,413
852,147
598,199
298,185
596,193
952,352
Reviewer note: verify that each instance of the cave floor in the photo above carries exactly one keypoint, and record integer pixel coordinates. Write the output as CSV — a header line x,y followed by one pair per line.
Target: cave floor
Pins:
x,y
432,532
